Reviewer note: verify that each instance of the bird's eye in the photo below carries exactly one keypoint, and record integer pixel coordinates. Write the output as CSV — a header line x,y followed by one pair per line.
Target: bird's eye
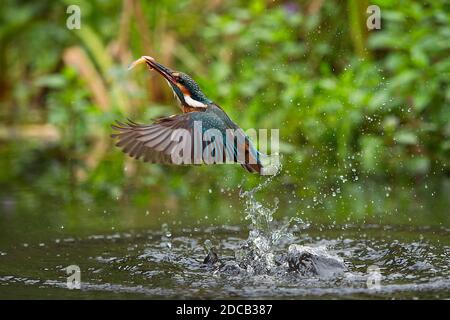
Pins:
x,y
177,77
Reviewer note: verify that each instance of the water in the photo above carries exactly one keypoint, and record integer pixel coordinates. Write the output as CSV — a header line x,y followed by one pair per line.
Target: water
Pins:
x,y
277,240
148,264
258,258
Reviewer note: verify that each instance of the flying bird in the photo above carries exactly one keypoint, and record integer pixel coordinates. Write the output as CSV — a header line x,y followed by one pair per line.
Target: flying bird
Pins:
x,y
159,141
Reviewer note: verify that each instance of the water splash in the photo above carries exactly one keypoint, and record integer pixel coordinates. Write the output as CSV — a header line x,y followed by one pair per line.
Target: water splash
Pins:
x,y
260,253
166,236
257,253
311,261
211,257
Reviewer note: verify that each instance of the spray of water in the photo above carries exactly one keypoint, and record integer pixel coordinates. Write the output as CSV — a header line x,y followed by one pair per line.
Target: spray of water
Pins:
x,y
257,253
260,253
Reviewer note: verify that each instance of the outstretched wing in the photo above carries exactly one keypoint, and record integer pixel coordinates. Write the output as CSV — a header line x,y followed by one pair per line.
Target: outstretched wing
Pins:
x,y
150,142
158,142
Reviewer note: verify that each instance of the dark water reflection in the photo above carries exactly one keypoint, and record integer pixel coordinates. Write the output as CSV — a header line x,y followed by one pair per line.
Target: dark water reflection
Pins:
x,y
414,263
123,250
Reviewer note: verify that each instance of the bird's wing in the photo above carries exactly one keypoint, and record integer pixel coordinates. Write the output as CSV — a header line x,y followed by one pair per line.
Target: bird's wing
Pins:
x,y
150,142
160,141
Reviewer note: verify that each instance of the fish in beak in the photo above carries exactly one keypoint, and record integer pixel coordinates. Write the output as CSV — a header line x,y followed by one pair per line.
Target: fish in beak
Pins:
x,y
167,73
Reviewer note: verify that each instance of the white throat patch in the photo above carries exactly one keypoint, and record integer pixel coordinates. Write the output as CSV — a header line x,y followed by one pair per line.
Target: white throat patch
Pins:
x,y
194,103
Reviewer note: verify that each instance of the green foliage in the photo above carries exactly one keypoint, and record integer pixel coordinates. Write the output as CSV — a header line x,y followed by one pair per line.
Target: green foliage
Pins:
x,y
350,103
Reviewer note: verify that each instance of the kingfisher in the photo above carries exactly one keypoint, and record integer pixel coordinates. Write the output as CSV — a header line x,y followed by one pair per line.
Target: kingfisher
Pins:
x,y
159,141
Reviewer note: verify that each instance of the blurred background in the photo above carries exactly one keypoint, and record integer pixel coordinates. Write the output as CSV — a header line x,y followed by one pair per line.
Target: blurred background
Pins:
x,y
363,114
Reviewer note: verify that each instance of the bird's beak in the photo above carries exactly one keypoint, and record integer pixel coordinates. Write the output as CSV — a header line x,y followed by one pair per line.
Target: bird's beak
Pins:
x,y
152,64
167,73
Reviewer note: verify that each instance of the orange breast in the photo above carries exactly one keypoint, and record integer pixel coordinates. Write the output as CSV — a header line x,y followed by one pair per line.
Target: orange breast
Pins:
x,y
187,109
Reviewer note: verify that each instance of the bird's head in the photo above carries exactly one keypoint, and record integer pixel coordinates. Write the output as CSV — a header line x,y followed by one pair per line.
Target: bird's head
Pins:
x,y
185,89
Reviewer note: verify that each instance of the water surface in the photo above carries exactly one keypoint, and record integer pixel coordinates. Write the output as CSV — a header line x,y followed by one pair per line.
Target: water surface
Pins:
x,y
151,244
169,264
